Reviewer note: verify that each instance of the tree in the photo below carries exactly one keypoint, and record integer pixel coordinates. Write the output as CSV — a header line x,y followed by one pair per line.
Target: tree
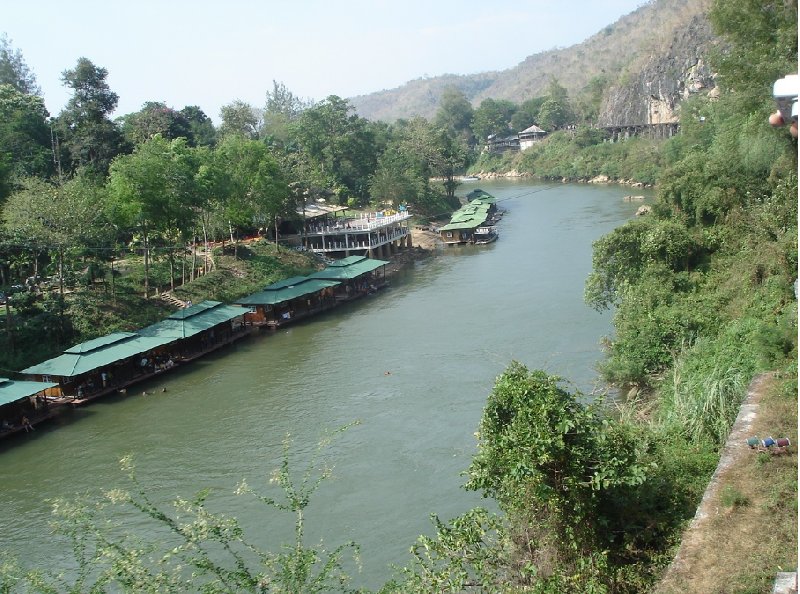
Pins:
x,y
411,157
156,118
527,114
553,115
211,188
87,136
455,114
59,220
591,98
522,120
24,137
620,258
417,152
153,191
14,71
281,109
240,118
340,144
202,131
452,159
255,192
52,217
555,111
492,118
395,181
763,34
466,553
555,465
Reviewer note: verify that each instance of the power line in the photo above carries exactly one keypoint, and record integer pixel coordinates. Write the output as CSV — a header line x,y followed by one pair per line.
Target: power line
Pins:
x,y
536,191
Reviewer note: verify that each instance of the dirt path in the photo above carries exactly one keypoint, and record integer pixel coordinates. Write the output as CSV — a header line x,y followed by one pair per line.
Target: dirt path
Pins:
x,y
695,567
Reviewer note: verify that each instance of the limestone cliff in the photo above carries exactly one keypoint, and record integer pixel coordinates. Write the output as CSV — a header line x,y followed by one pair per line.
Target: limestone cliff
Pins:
x,y
651,90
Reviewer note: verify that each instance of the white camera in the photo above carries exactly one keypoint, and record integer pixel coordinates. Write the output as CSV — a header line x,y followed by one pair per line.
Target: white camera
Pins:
x,y
785,90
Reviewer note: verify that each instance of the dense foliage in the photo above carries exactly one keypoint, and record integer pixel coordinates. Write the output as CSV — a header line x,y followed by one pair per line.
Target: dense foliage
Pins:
x,y
593,499
704,293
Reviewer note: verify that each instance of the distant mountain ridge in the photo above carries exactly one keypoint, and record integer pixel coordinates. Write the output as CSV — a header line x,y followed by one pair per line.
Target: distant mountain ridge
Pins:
x,y
654,57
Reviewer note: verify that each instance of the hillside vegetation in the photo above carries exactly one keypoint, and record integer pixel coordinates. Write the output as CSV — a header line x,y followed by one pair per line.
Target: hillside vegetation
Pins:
x,y
593,495
614,56
703,290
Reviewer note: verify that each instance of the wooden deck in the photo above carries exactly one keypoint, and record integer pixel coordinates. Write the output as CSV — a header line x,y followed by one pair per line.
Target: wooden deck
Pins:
x,y
53,408
122,386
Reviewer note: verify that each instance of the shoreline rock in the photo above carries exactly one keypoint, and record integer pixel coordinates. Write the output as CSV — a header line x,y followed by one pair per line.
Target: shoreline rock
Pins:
x,y
499,174
598,179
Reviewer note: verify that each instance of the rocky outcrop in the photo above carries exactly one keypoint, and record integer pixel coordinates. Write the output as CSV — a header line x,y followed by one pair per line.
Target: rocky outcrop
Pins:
x,y
651,92
499,174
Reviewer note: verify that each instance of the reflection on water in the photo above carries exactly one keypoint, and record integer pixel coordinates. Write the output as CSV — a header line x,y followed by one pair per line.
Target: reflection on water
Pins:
x,y
443,331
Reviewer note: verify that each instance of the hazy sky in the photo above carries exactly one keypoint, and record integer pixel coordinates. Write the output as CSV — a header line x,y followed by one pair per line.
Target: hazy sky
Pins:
x,y
210,53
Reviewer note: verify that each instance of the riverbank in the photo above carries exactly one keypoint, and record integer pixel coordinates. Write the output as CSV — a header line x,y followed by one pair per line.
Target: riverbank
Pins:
x,y
597,179
424,245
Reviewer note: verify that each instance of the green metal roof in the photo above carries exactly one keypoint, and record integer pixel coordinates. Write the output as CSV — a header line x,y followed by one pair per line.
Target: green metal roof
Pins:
x,y
98,343
97,353
470,212
477,194
348,261
11,390
103,351
287,282
281,291
470,216
193,320
350,267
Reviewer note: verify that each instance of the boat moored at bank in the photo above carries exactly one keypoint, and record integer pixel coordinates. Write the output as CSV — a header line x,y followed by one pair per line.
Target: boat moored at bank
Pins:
x,y
474,222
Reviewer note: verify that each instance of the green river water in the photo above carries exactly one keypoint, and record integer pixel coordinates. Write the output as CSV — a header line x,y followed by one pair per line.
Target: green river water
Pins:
x,y
443,330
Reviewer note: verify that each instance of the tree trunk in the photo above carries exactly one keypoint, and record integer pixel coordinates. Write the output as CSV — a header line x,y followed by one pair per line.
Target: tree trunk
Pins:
x,y
146,262
171,257
194,258
61,294
9,331
233,241
205,239
209,259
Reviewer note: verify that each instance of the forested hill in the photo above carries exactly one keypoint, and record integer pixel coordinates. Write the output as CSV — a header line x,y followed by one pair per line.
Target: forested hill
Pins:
x,y
665,40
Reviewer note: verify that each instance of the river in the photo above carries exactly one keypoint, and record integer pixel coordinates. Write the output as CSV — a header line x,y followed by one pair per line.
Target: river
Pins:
x,y
412,364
